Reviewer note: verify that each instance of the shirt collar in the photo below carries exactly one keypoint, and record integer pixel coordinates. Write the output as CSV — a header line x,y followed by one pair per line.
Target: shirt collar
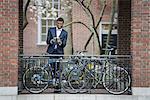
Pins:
x,y
59,29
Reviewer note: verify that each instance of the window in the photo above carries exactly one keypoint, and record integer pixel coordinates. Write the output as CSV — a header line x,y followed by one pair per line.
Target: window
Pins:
x,y
104,29
47,20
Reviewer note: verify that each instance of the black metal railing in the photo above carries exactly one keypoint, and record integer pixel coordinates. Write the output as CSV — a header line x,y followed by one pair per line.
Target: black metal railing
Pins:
x,y
75,74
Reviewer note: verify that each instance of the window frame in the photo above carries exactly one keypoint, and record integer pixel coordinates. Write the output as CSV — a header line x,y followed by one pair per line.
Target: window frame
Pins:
x,y
101,33
39,26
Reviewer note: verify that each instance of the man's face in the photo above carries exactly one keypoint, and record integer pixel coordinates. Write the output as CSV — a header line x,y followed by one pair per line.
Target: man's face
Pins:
x,y
59,24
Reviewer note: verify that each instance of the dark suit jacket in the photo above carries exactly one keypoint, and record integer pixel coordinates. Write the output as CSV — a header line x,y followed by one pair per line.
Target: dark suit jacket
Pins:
x,y
60,48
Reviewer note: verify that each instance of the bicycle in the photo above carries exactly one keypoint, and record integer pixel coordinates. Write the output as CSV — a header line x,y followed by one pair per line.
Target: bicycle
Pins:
x,y
121,79
72,63
94,71
38,77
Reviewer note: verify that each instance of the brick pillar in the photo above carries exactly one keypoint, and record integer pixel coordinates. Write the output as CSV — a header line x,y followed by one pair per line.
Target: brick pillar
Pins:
x,y
8,47
140,46
124,29
20,26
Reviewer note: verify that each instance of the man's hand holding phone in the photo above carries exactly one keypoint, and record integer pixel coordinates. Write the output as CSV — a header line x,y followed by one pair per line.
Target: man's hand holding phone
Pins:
x,y
56,40
59,42
53,41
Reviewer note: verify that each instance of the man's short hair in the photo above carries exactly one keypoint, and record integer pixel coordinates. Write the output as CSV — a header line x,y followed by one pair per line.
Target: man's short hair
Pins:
x,y
60,19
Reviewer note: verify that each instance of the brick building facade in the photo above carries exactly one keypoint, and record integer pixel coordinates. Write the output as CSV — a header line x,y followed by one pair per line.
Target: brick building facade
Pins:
x,y
140,44
133,33
9,45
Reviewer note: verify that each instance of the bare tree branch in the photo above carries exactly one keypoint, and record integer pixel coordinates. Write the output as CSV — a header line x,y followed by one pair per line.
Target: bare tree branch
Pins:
x,y
90,12
88,41
89,3
92,16
78,22
97,36
111,24
85,10
101,15
25,22
82,0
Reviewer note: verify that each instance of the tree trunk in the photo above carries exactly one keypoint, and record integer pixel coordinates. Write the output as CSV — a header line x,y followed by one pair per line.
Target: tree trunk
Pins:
x,y
96,46
25,22
111,24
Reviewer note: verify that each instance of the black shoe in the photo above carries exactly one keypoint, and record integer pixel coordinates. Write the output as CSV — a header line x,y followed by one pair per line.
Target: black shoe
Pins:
x,y
57,90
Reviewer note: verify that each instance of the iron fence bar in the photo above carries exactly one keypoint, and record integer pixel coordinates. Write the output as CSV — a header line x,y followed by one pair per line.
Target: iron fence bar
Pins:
x,y
119,56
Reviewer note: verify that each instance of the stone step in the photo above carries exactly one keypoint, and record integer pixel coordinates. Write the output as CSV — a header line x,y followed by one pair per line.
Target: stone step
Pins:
x,y
74,97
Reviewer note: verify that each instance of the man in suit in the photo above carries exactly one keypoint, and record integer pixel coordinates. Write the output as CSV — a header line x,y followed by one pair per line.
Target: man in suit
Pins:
x,y
56,40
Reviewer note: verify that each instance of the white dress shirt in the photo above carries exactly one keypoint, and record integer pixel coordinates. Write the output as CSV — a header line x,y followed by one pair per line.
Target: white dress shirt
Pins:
x,y
58,32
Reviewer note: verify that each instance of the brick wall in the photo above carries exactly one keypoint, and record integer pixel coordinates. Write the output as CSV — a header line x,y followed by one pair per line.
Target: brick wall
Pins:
x,y
8,43
140,42
20,26
124,26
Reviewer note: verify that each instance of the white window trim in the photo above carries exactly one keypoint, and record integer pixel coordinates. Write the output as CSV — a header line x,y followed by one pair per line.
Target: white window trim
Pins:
x,y
100,36
39,42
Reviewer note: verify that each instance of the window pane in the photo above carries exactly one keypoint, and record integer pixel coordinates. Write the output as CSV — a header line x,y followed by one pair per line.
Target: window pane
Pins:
x,y
43,29
43,37
50,22
43,22
43,15
55,23
57,13
105,26
50,4
114,26
48,19
113,41
50,14
56,5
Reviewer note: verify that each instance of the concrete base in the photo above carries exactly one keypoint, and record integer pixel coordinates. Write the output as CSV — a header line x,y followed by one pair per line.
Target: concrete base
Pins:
x,y
141,91
74,97
8,91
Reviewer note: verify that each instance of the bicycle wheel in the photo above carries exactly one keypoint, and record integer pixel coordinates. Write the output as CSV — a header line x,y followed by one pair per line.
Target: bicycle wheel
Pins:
x,y
116,80
97,74
65,83
76,81
35,79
